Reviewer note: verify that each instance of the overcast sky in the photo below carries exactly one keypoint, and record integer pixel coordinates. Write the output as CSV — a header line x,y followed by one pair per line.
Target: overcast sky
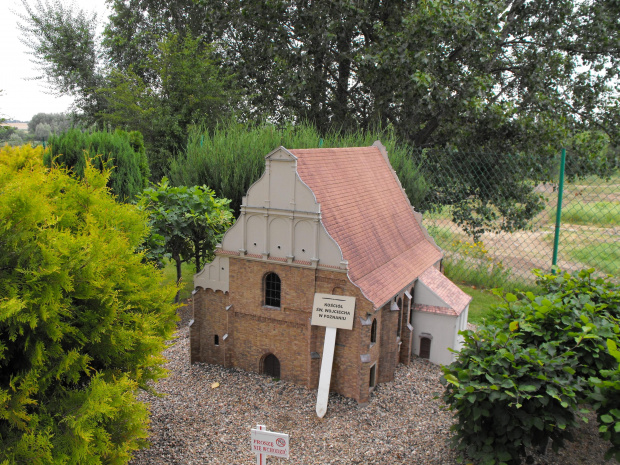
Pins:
x,y
21,99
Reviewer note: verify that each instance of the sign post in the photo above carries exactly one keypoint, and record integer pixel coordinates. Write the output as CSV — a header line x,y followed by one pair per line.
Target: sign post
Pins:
x,y
333,312
266,443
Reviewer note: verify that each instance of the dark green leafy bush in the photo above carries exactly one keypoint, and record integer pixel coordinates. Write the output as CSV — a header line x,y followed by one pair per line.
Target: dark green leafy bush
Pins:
x,y
120,152
519,380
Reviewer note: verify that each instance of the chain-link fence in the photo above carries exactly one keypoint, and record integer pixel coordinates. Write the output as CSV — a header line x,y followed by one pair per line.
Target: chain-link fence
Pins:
x,y
495,215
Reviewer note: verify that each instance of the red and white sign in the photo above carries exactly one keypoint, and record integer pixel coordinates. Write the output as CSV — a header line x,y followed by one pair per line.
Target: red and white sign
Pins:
x,y
269,443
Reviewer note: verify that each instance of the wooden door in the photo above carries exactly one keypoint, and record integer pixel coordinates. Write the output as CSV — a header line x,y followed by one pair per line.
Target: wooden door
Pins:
x,y
271,366
425,347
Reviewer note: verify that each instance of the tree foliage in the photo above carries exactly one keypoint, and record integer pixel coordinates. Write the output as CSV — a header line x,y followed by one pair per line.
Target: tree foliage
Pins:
x,y
188,88
520,379
120,152
58,122
83,321
65,48
499,75
188,221
519,77
503,75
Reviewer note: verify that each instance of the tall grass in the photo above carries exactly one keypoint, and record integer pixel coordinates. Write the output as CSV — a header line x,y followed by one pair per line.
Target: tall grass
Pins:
x,y
594,213
232,157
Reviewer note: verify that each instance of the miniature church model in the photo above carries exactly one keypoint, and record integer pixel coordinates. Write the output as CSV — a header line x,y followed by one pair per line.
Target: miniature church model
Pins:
x,y
335,222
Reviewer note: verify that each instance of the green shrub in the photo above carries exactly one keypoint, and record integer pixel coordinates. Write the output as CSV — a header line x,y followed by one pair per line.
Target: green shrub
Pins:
x,y
187,222
605,399
518,381
82,320
120,152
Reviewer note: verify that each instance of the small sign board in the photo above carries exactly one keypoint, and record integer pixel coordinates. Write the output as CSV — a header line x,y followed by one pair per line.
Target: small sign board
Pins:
x,y
333,311
270,443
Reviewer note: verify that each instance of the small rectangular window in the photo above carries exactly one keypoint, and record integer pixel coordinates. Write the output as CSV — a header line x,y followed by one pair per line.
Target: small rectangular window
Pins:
x,y
372,376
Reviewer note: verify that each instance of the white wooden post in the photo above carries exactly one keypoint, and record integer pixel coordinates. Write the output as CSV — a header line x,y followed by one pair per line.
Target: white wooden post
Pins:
x,y
333,312
326,371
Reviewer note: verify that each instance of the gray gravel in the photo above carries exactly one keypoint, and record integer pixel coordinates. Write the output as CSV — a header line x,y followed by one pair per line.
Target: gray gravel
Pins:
x,y
195,423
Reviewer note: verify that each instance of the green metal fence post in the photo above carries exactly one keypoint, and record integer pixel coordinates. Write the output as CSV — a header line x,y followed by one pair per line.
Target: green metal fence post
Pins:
x,y
558,216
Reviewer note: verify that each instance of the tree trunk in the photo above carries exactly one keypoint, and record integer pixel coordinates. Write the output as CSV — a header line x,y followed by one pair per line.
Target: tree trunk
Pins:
x,y
178,262
197,255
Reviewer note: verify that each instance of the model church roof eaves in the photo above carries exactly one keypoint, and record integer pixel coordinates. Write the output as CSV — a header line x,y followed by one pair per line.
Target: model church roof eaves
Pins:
x,y
446,290
368,214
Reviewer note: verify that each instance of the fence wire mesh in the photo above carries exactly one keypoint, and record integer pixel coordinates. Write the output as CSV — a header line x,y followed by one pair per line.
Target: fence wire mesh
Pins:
x,y
494,215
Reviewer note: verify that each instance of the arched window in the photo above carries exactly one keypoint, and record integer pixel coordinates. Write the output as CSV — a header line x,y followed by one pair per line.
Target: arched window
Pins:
x,y
373,331
373,374
272,290
400,315
337,291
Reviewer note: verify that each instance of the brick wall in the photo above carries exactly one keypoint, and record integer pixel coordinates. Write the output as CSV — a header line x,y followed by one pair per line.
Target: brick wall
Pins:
x,y
389,348
210,319
255,330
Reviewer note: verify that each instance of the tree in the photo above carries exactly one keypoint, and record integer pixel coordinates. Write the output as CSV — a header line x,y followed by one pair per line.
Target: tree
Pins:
x,y
58,122
43,131
501,75
64,47
175,82
190,89
135,29
190,221
83,321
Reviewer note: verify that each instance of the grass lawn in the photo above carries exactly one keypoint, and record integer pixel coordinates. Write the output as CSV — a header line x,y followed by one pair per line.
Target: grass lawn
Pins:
x,y
480,306
594,213
187,280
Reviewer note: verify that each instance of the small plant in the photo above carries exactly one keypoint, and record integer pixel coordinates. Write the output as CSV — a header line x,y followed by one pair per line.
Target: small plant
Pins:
x,y
470,262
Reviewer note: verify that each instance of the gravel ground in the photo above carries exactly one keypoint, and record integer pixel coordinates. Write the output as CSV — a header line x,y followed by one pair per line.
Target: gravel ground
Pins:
x,y
196,423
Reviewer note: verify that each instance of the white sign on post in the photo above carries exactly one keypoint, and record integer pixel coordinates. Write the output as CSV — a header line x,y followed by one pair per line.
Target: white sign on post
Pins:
x,y
333,312
268,443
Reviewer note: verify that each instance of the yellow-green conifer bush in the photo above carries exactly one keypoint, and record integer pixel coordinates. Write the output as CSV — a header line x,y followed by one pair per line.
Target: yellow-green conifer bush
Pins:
x,y
83,321
19,156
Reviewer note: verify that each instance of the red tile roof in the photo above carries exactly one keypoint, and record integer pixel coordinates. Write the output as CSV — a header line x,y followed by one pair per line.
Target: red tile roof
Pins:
x,y
446,290
367,213
434,309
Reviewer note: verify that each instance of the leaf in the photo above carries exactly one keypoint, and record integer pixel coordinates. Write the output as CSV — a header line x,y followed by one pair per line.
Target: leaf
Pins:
x,y
215,385
452,379
514,325
568,370
607,418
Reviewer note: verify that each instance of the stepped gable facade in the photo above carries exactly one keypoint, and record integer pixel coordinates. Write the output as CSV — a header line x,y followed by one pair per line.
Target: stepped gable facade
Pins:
x,y
330,221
